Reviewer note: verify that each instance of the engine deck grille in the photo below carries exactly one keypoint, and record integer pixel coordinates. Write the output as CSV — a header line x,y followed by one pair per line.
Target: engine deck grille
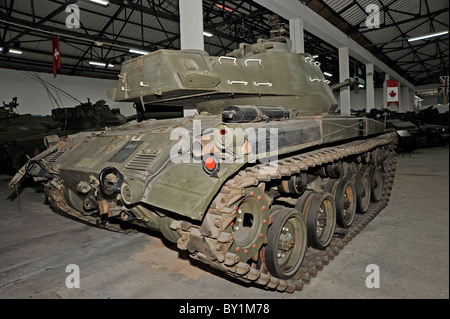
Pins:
x,y
140,162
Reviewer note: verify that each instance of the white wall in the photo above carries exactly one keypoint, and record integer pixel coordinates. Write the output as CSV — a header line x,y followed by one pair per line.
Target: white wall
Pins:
x,y
33,98
358,101
406,100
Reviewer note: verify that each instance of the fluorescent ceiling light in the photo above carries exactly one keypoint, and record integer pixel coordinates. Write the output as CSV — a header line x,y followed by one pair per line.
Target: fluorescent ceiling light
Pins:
x,y
97,63
101,64
315,56
12,51
102,2
138,51
208,34
428,36
15,51
361,85
327,74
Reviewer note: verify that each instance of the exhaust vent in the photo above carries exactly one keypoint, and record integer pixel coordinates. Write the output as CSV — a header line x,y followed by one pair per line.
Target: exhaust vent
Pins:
x,y
140,162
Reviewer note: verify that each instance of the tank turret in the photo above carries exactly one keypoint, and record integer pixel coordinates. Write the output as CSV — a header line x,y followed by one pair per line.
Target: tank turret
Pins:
x,y
266,73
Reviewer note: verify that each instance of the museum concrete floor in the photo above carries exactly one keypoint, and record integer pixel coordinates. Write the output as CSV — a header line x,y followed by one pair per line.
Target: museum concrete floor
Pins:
x,y
408,241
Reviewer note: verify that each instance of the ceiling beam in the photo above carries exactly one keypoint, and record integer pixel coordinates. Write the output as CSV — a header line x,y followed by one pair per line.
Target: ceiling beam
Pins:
x,y
43,20
314,23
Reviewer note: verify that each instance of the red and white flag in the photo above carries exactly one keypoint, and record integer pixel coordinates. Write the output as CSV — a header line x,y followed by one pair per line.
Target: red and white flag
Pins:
x,y
392,92
56,55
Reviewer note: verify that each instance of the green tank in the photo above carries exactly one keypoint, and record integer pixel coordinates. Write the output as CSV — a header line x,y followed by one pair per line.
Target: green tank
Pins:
x,y
88,116
266,183
22,135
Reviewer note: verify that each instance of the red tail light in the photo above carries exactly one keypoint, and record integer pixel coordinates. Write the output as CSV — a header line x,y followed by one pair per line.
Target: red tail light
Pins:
x,y
210,164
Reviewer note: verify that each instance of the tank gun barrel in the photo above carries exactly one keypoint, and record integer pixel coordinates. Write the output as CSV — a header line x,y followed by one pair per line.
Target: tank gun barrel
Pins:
x,y
347,82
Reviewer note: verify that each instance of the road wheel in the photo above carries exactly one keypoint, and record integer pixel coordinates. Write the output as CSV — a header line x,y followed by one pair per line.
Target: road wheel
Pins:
x,y
376,183
363,189
287,243
345,200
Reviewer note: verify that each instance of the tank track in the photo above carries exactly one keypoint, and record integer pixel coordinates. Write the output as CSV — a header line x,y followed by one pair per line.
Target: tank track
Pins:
x,y
210,243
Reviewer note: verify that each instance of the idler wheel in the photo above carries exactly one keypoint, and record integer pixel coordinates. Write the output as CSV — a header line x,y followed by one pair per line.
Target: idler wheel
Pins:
x,y
319,211
363,189
376,183
287,243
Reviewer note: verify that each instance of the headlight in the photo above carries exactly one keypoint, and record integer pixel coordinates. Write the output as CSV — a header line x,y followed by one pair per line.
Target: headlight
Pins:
x,y
131,192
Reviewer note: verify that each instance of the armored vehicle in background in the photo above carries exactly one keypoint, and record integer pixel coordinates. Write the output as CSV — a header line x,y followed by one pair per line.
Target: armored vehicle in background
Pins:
x,y
418,129
88,116
267,183
22,135
15,124
9,110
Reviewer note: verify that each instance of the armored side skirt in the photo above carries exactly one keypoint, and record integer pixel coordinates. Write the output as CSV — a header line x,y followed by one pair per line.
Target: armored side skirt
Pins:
x,y
342,128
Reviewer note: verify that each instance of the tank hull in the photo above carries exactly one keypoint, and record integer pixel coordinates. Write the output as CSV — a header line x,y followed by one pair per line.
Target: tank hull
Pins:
x,y
164,186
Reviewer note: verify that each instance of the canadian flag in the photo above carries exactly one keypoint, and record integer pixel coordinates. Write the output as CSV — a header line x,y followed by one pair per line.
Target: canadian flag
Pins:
x,y
392,92
56,55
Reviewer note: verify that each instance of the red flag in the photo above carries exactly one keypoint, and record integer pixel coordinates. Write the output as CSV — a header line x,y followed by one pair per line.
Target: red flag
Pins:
x,y
392,92
56,55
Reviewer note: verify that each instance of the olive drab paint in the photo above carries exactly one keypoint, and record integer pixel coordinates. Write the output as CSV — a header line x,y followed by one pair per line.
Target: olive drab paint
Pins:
x,y
201,180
